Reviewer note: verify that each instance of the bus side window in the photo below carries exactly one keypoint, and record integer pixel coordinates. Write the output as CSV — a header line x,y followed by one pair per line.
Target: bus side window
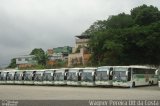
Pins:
x,y
129,74
110,71
34,74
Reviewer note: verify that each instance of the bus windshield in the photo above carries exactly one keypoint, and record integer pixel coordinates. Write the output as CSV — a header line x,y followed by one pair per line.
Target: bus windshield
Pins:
x,y
10,76
38,76
28,76
87,76
120,75
101,76
3,76
47,77
59,76
18,76
72,76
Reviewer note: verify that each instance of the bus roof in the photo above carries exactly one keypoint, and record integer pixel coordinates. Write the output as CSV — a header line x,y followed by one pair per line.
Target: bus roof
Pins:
x,y
135,66
90,68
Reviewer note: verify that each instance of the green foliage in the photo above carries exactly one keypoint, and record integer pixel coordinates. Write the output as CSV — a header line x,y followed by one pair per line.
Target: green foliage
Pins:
x,y
40,55
145,15
120,41
13,63
120,21
97,26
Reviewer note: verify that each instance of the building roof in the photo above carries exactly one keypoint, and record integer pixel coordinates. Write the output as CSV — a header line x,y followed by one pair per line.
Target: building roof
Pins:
x,y
25,56
83,36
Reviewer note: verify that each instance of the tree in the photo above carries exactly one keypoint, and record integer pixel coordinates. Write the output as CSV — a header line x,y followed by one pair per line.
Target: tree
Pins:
x,y
13,63
145,15
100,25
121,20
123,42
40,56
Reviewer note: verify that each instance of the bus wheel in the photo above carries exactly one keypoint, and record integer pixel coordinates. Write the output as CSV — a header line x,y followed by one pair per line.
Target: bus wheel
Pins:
x,y
133,84
150,83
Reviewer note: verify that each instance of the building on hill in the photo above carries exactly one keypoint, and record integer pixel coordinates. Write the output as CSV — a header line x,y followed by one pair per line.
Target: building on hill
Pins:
x,y
58,55
65,50
80,54
81,41
26,61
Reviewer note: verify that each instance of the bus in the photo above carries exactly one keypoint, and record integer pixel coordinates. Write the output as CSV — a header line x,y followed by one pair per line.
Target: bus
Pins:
x,y
131,76
73,76
48,77
3,77
10,77
104,76
88,76
29,77
0,77
158,76
18,77
60,76
38,78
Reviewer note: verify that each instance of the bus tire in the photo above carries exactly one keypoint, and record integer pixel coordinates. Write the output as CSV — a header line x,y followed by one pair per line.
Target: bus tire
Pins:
x,y
133,85
150,83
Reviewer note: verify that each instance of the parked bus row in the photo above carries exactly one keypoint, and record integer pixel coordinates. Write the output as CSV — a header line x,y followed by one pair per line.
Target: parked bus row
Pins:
x,y
125,76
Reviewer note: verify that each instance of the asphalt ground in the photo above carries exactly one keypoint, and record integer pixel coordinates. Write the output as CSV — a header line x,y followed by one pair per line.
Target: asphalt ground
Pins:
x,y
25,92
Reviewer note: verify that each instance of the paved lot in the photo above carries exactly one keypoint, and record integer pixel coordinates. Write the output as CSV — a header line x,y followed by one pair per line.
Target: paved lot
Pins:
x,y
17,92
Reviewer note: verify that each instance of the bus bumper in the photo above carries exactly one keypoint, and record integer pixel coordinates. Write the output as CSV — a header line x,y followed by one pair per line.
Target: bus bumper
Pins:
x,y
3,82
103,83
87,84
121,84
10,82
18,82
38,82
48,83
73,83
28,82
60,82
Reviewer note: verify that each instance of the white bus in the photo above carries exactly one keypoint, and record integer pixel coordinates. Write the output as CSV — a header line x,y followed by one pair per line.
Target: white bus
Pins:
x,y
48,77
38,78
10,77
60,76
29,77
3,77
131,76
73,76
104,76
158,76
88,77
19,77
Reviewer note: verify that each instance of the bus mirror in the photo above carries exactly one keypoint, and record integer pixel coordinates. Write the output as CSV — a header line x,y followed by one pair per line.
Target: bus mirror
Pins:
x,y
107,72
156,72
65,74
76,73
111,73
80,73
126,73
93,73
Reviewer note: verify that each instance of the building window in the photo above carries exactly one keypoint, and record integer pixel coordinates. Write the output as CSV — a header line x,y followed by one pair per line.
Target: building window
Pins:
x,y
26,59
19,59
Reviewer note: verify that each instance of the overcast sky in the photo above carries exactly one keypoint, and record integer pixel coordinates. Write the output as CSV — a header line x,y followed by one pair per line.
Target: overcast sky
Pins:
x,y
29,24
